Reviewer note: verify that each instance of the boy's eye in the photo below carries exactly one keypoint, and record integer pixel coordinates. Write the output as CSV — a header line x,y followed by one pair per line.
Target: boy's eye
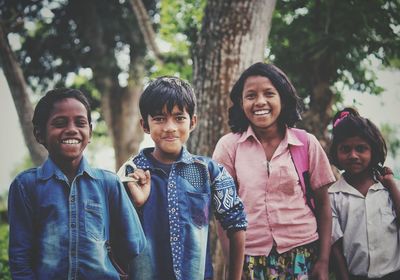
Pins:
x,y
158,119
81,122
180,118
59,123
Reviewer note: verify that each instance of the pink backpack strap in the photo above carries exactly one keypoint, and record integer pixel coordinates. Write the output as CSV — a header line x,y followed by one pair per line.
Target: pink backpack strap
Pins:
x,y
301,162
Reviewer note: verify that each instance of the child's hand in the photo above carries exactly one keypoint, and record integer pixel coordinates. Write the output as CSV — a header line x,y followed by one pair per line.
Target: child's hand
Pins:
x,y
139,187
386,178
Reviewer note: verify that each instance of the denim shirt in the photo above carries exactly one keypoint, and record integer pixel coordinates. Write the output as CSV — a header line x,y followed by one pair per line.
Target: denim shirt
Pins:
x,y
63,231
176,216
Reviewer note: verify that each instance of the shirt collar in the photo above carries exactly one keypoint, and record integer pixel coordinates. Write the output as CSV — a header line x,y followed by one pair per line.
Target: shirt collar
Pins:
x,y
142,161
49,169
342,186
290,138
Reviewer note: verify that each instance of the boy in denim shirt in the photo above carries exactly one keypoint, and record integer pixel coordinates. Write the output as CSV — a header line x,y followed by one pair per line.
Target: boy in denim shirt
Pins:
x,y
65,215
175,209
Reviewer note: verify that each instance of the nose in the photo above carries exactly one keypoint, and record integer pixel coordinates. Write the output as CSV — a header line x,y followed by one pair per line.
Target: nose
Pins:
x,y
170,125
71,128
260,100
353,153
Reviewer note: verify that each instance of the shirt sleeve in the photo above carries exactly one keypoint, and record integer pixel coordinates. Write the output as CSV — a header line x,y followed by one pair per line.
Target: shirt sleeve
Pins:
x,y
337,232
21,232
320,169
126,232
228,207
223,155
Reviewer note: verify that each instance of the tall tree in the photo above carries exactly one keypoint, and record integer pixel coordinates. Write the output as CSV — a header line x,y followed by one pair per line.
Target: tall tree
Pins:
x,y
233,36
60,37
18,88
320,43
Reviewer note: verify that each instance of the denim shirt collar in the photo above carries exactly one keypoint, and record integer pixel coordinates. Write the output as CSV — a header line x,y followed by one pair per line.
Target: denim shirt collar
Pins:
x,y
142,161
50,169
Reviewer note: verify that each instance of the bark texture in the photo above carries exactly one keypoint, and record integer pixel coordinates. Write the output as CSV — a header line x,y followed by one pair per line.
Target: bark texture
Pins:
x,y
233,36
16,82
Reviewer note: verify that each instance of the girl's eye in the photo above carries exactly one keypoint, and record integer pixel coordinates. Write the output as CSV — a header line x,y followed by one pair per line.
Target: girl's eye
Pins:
x,y
180,118
344,149
250,96
361,148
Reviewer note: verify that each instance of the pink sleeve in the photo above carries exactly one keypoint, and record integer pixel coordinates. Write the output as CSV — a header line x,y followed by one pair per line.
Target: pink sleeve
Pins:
x,y
224,153
320,169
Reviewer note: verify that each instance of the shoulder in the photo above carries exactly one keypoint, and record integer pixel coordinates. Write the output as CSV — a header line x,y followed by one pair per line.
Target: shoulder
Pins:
x,y
230,138
26,177
105,175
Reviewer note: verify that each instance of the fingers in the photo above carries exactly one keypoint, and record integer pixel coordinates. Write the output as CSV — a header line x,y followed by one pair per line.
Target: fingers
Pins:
x,y
140,176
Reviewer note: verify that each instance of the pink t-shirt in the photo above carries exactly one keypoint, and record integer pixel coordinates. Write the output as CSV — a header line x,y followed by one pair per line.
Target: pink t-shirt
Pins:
x,y
271,191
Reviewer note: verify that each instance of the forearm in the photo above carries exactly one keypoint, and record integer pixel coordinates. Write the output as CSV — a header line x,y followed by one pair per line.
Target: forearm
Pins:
x,y
324,221
236,256
340,266
395,196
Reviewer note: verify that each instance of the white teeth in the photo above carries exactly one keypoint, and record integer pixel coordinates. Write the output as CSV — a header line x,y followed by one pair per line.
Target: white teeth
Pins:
x,y
262,112
70,141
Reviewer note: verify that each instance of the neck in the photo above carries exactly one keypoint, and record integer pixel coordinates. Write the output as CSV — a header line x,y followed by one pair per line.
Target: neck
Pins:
x,y
69,168
269,134
361,181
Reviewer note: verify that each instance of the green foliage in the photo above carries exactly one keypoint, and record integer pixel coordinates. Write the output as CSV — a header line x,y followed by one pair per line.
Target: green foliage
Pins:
x,y
4,268
390,133
180,23
334,41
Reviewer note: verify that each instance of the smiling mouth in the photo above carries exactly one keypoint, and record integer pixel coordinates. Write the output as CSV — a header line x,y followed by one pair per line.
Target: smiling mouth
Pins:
x,y
70,141
262,112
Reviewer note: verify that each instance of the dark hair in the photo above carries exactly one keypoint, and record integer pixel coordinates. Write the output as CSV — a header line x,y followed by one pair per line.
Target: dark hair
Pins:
x,y
45,105
166,91
348,123
290,114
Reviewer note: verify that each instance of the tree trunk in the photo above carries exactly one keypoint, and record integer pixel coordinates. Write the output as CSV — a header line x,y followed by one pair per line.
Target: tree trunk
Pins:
x,y
16,82
233,36
121,112
119,105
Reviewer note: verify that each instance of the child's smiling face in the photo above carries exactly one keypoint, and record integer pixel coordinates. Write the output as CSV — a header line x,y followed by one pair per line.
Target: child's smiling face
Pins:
x,y
68,131
354,155
169,131
261,102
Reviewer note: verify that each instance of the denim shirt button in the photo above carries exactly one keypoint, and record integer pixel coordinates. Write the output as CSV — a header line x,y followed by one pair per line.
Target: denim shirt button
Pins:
x,y
73,225
72,199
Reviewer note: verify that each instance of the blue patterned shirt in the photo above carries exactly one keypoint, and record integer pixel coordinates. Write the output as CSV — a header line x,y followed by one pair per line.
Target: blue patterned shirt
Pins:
x,y
176,216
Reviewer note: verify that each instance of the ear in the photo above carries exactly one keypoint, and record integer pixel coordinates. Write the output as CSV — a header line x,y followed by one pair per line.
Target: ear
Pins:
x,y
193,122
39,136
144,126
90,132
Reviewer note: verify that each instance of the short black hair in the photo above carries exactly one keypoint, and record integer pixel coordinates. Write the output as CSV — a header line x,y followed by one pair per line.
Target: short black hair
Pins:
x,y
166,91
348,123
290,114
45,106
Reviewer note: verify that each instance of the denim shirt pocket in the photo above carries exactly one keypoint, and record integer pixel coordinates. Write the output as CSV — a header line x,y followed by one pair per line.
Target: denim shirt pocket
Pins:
x,y
94,222
199,204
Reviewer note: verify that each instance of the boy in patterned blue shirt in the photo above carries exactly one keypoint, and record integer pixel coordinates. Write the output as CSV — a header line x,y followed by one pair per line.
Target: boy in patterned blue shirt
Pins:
x,y
174,191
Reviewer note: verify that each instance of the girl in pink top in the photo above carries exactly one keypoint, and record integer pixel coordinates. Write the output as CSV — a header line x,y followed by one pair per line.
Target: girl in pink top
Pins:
x,y
284,239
